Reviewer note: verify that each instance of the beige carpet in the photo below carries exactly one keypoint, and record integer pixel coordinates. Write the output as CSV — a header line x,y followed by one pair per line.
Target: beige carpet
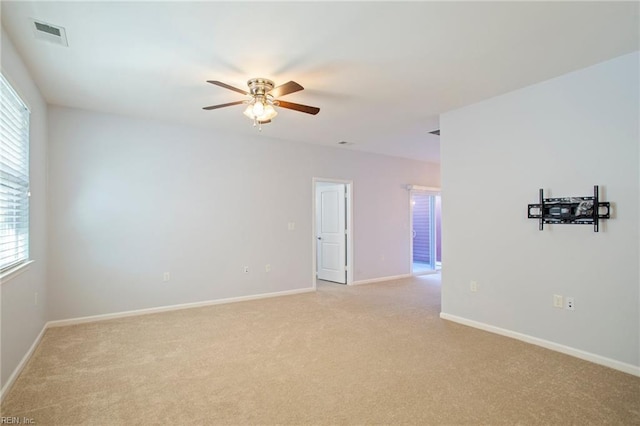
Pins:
x,y
373,354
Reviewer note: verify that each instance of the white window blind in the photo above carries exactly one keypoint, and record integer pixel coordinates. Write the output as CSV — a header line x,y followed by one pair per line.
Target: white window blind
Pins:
x,y
14,178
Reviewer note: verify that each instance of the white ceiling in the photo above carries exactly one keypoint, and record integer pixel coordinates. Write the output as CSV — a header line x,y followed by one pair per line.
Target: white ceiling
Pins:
x,y
381,72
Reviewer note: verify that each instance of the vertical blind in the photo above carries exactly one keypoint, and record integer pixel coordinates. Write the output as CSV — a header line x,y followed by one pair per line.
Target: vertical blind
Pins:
x,y
14,178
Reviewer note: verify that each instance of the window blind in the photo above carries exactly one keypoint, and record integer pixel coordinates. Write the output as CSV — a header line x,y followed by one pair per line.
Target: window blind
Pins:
x,y
14,178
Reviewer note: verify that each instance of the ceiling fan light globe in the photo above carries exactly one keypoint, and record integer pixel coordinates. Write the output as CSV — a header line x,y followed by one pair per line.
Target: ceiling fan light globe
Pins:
x,y
258,108
268,114
249,112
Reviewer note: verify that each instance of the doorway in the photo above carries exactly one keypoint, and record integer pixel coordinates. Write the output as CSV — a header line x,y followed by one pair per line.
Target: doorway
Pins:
x,y
425,231
332,246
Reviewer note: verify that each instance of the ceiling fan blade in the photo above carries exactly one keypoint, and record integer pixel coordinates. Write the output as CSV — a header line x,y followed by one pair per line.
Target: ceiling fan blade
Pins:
x,y
299,107
223,105
226,86
285,89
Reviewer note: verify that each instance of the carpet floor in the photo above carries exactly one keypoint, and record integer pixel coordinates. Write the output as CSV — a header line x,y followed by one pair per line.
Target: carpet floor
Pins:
x,y
371,354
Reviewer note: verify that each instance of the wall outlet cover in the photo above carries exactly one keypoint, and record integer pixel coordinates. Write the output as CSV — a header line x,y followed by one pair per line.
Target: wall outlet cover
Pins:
x,y
557,301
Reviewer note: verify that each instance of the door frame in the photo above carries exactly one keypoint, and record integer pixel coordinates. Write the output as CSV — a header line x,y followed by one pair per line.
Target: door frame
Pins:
x,y
349,223
427,190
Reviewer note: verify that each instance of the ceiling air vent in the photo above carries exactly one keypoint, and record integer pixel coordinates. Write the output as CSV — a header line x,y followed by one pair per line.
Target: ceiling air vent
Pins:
x,y
436,132
51,33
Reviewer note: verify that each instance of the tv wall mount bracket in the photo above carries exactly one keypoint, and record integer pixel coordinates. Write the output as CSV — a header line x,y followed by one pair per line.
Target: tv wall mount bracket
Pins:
x,y
570,210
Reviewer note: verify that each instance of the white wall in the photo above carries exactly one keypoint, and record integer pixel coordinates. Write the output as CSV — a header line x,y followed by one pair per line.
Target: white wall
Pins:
x,y
22,320
132,198
563,135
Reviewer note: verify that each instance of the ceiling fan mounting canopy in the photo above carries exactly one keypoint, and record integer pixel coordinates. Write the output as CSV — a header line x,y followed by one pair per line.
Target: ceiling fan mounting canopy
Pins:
x,y
262,99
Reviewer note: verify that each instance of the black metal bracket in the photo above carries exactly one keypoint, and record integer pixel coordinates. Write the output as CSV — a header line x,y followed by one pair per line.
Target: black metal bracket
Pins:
x,y
570,210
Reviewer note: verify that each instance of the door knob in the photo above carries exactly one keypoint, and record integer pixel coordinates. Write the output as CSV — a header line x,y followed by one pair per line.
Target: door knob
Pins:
x,y
319,238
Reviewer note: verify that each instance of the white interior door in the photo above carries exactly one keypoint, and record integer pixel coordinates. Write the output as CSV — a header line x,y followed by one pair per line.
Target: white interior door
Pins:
x,y
331,232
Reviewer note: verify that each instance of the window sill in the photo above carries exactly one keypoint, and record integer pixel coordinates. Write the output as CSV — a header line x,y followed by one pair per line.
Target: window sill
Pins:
x,y
15,271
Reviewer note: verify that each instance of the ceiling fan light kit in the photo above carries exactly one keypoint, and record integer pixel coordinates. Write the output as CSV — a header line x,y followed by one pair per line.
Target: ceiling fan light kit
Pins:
x,y
262,100
260,111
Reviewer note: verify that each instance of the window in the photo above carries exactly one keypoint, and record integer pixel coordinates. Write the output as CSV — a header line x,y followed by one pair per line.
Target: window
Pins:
x,y
14,178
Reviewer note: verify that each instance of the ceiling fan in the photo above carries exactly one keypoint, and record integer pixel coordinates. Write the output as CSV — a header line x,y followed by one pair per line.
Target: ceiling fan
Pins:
x,y
262,99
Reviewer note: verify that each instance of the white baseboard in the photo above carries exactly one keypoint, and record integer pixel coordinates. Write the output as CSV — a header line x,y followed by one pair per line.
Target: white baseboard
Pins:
x,y
5,389
587,356
72,321
124,314
377,280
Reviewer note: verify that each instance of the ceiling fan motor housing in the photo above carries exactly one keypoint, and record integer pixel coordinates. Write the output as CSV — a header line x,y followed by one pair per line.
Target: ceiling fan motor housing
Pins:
x,y
260,86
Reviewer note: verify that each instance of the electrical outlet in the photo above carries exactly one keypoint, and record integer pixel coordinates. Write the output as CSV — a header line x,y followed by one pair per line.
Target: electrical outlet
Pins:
x,y
557,301
245,269
291,226
166,276
473,286
267,268
570,304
